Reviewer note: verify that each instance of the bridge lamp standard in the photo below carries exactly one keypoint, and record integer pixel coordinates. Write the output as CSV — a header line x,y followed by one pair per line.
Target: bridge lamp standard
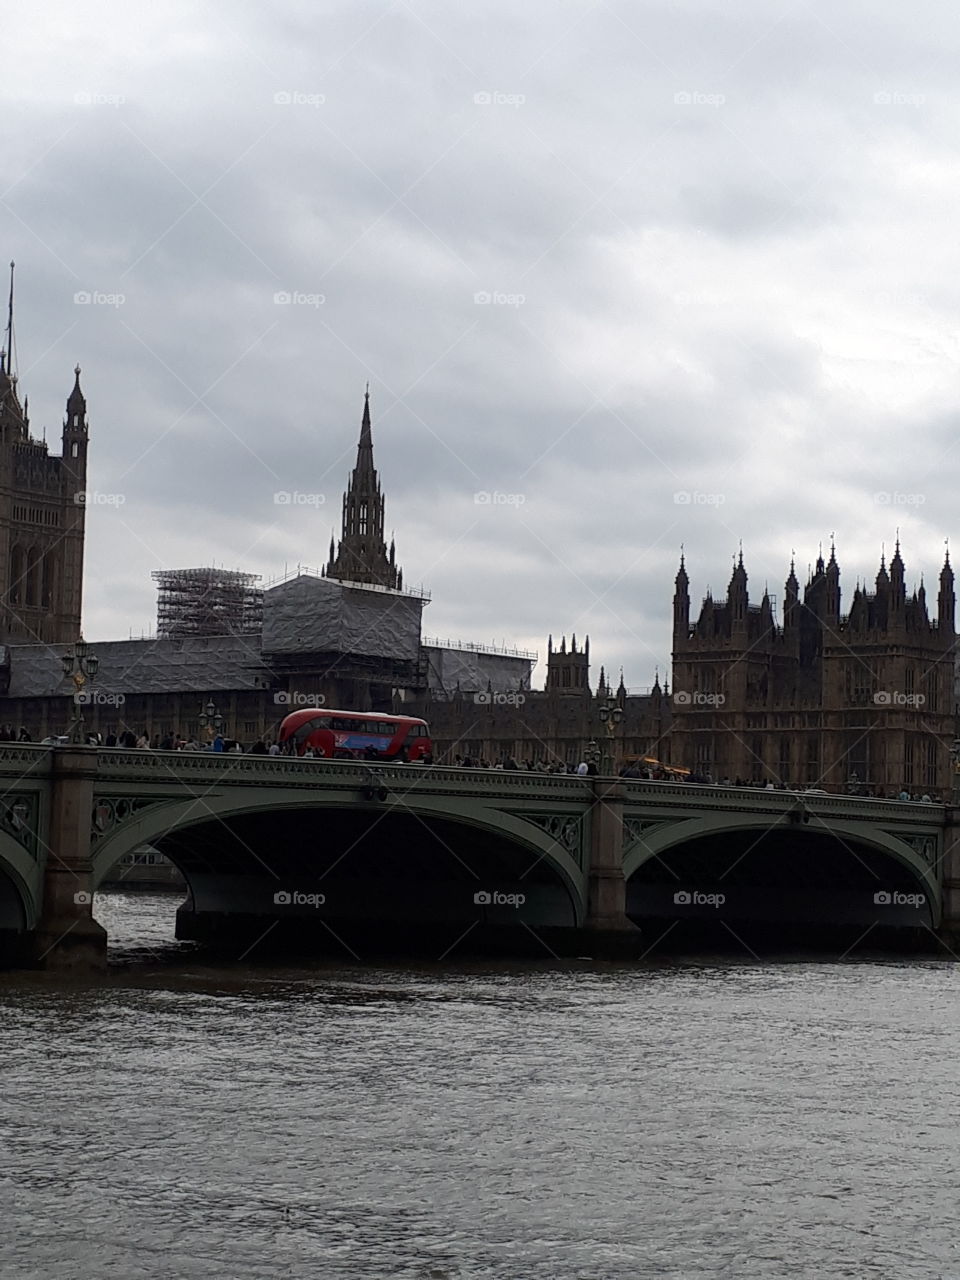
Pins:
x,y
210,719
79,665
610,714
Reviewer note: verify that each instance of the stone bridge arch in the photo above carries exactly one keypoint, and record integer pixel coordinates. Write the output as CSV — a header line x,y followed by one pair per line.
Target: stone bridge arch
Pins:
x,y
647,840
21,886
543,838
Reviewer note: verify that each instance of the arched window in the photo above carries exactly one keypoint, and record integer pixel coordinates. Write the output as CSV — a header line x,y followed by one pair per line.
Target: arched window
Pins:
x,y
32,586
16,584
49,581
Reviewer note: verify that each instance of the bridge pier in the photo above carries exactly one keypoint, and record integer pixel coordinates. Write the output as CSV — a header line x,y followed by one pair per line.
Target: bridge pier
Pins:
x,y
67,937
608,929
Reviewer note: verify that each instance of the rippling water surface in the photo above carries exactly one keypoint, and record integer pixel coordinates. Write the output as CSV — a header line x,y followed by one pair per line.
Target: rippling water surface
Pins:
x,y
680,1120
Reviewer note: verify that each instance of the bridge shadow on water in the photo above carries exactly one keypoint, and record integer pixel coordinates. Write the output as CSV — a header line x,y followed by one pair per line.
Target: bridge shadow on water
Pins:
x,y
361,883
783,891
364,883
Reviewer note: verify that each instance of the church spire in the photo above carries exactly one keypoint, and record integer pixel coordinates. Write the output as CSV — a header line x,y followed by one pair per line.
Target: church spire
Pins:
x,y
8,344
362,555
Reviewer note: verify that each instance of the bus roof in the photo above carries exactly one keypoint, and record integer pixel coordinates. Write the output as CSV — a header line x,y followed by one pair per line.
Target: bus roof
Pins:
x,y
297,718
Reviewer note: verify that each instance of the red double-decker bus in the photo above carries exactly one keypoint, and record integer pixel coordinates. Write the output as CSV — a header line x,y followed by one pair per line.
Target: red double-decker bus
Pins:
x,y
358,735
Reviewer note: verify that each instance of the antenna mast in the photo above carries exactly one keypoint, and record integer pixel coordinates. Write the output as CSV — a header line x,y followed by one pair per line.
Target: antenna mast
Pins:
x,y
10,325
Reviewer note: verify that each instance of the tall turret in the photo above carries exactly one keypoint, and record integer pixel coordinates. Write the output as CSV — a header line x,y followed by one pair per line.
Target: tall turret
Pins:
x,y
946,599
832,576
362,554
737,592
681,605
568,670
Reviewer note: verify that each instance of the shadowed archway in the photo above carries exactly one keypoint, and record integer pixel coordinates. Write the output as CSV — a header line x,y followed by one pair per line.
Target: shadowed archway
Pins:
x,y
779,886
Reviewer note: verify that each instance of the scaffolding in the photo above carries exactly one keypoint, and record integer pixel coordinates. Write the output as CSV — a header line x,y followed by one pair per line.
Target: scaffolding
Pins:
x,y
208,602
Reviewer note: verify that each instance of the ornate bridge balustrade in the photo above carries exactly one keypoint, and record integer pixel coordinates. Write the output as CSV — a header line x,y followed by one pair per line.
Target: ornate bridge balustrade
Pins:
x,y
345,849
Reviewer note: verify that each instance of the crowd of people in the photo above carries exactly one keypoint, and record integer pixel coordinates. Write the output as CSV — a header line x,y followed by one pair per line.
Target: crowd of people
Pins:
x,y
129,740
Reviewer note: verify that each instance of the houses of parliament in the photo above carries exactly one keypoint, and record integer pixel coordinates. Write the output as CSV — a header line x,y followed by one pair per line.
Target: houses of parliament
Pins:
x,y
42,512
861,700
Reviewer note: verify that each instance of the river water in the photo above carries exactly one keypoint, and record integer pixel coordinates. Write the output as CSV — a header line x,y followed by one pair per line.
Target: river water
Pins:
x,y
574,1121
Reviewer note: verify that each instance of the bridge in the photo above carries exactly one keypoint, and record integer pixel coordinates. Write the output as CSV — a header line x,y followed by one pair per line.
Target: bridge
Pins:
x,y
351,856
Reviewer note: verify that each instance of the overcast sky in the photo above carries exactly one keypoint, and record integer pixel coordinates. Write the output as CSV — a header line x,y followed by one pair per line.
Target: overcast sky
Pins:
x,y
640,274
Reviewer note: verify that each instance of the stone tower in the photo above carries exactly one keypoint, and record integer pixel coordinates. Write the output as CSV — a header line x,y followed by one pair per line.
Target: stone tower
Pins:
x,y
42,508
362,554
568,670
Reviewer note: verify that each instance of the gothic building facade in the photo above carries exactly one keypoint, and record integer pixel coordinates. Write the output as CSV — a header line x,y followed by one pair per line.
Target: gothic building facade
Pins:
x,y
42,512
559,724
856,700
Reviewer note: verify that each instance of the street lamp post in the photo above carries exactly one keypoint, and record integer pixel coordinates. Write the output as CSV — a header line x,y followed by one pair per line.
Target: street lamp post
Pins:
x,y
210,719
610,713
79,665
